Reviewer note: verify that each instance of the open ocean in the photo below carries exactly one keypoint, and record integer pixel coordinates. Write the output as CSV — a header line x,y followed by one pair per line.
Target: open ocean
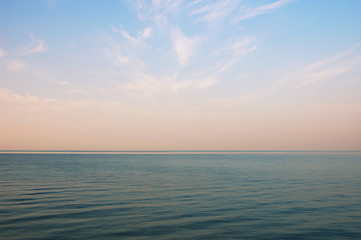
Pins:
x,y
180,195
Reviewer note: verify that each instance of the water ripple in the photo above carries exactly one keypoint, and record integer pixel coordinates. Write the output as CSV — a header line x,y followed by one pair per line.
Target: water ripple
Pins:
x,y
286,196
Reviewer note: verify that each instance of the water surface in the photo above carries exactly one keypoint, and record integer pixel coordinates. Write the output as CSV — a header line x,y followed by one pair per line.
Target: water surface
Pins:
x,y
193,195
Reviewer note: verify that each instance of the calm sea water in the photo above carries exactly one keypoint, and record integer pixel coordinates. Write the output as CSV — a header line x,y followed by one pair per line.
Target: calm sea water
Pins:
x,y
180,196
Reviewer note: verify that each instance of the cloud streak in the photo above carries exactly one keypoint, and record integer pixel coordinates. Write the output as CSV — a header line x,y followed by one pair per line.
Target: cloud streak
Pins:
x,y
250,12
36,46
15,65
216,11
324,70
2,53
142,35
183,46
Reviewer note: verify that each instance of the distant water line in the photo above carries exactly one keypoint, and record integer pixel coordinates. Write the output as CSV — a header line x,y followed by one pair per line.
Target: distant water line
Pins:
x,y
173,152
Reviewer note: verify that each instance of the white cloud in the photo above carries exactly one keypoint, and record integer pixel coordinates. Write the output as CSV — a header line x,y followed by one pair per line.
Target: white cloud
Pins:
x,y
146,33
115,52
243,43
2,53
183,46
329,73
64,83
249,12
215,11
335,70
206,83
333,59
36,46
326,69
249,99
141,36
165,21
8,96
197,84
121,59
15,65
151,86
126,53
168,6
238,49
321,75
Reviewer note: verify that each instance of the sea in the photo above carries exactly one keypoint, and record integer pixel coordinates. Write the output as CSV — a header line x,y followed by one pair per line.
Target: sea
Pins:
x,y
180,195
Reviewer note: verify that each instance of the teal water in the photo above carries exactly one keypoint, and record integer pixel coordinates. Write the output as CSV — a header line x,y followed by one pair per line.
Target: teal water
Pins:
x,y
256,195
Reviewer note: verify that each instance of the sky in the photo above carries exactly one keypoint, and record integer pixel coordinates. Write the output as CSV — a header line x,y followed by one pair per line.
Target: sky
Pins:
x,y
180,75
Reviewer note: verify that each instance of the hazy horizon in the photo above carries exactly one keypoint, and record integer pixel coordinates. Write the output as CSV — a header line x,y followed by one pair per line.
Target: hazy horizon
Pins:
x,y
60,151
274,75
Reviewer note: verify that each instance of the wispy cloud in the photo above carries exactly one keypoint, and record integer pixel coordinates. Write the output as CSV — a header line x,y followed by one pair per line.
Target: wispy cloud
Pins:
x,y
2,53
64,83
114,51
328,61
16,65
36,46
323,70
176,47
183,46
249,99
161,6
215,11
230,55
125,53
326,74
249,12
322,75
141,36
9,96
168,6
149,85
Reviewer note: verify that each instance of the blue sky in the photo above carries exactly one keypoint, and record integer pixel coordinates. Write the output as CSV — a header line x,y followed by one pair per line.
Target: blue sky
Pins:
x,y
173,75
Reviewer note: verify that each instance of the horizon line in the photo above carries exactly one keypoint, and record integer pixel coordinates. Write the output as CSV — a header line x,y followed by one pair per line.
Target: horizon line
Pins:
x,y
168,151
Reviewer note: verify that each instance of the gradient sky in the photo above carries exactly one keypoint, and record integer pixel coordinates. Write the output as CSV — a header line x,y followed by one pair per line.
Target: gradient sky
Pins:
x,y
180,75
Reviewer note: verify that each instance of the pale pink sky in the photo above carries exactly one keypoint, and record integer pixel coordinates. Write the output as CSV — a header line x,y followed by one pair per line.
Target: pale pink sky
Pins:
x,y
180,75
